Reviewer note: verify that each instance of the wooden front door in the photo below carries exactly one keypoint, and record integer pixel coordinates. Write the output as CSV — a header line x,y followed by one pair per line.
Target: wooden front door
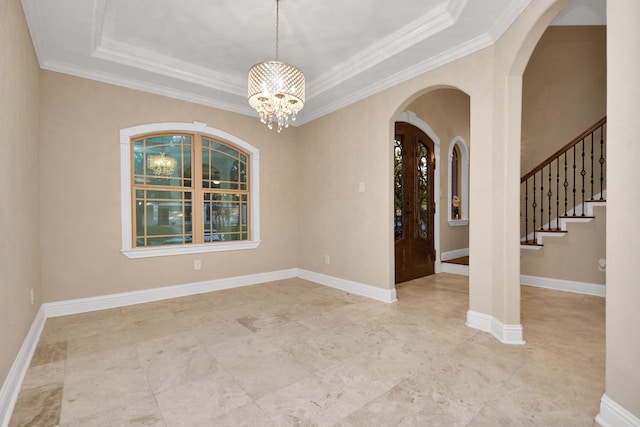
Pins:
x,y
414,207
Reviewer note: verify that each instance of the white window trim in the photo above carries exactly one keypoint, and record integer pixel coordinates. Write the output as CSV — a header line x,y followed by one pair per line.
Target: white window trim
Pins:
x,y
125,191
464,184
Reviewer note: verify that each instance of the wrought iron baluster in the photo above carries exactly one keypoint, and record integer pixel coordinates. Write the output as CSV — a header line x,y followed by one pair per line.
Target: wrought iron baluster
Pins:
x,y
582,173
601,161
574,181
542,199
592,165
565,184
549,194
526,210
533,206
558,194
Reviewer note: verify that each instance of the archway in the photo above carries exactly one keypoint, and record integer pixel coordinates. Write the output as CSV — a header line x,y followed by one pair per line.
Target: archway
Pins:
x,y
442,113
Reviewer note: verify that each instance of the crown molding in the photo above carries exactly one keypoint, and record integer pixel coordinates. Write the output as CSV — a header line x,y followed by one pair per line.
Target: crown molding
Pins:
x,y
434,62
145,86
415,32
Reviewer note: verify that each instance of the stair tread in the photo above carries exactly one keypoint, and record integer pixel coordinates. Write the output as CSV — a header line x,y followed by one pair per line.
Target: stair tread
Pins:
x,y
595,200
552,231
531,243
577,216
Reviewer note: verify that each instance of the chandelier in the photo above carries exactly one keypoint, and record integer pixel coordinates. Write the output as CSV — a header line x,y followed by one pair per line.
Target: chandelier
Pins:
x,y
162,165
276,89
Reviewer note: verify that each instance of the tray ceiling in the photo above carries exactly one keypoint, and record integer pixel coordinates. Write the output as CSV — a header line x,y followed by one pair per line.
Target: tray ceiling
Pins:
x,y
201,51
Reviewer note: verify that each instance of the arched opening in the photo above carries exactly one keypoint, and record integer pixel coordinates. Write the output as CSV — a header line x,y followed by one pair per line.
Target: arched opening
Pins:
x,y
443,115
563,95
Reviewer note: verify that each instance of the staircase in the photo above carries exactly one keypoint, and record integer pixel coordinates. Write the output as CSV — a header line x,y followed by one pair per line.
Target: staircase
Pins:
x,y
564,188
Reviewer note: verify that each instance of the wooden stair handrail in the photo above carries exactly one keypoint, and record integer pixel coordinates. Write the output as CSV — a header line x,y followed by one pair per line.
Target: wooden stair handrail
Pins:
x,y
567,147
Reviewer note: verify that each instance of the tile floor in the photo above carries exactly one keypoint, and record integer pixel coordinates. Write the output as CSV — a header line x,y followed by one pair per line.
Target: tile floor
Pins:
x,y
294,353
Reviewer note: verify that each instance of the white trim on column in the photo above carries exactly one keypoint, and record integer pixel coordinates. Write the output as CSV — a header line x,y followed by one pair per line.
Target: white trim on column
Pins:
x,y
507,334
564,285
462,270
411,118
456,253
613,415
13,382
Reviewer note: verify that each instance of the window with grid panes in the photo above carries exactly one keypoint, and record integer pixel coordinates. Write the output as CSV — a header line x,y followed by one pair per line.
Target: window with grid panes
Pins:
x,y
188,189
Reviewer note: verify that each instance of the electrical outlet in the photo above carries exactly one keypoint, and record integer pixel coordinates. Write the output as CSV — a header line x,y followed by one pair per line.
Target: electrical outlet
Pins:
x,y
327,260
197,264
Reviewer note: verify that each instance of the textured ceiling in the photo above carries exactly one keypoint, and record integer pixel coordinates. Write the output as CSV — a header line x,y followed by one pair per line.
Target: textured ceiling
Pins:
x,y
201,50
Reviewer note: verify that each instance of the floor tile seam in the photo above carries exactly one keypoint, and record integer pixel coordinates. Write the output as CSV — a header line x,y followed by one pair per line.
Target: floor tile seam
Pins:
x,y
190,350
490,398
159,408
61,402
64,372
256,399
146,376
322,380
274,421
113,408
367,403
106,409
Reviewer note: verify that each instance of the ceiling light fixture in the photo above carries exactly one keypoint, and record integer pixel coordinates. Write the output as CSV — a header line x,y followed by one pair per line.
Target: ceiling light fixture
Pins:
x,y
276,90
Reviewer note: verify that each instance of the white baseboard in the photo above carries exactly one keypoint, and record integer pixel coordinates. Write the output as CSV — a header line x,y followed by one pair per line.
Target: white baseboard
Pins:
x,y
454,254
84,305
507,334
13,382
564,285
613,415
373,292
462,270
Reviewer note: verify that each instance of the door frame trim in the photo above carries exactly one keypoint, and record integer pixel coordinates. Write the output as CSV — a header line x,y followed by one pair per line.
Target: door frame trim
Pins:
x,y
411,118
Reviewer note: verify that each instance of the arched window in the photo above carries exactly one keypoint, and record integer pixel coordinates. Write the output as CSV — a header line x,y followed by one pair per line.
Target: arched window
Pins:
x,y
455,183
458,182
187,188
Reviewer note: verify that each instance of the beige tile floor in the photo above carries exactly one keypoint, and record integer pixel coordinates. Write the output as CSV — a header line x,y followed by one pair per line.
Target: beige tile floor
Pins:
x,y
294,353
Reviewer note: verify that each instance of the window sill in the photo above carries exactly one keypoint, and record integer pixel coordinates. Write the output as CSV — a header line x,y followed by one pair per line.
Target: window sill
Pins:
x,y
188,249
458,222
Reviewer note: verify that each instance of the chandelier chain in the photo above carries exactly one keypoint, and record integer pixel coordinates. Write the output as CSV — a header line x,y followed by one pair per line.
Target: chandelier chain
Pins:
x,y
277,28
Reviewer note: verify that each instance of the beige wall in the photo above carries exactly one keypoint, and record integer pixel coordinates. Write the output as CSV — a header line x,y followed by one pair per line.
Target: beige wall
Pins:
x,y
19,246
564,90
446,111
571,257
354,144
623,197
80,191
